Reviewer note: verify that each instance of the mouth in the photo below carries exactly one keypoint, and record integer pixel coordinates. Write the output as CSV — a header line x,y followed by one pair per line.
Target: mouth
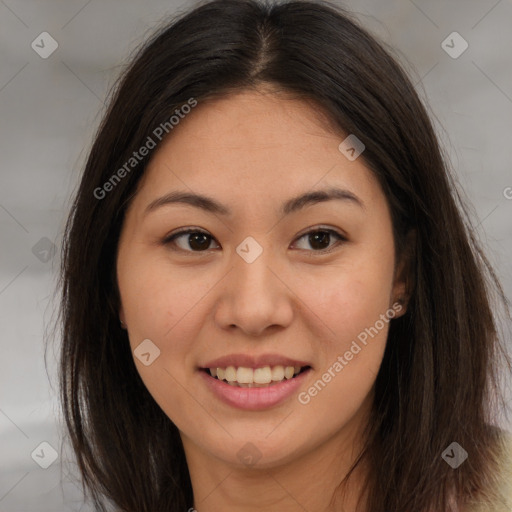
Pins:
x,y
261,377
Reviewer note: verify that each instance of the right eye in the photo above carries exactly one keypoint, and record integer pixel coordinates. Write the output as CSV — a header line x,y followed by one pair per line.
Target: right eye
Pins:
x,y
191,240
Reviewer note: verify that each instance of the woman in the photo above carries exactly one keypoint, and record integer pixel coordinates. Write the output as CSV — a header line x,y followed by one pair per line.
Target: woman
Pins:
x,y
270,298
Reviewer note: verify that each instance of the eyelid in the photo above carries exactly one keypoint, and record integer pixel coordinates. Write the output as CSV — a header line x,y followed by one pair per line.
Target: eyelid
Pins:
x,y
312,229
342,238
180,232
322,227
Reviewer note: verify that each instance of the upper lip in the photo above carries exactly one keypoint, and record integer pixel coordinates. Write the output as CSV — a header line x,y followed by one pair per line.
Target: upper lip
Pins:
x,y
248,361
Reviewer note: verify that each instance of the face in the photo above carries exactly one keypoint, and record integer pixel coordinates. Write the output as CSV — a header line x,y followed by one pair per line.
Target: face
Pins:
x,y
261,283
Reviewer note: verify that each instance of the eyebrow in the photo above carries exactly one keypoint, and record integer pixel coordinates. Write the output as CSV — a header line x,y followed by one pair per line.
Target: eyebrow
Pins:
x,y
290,206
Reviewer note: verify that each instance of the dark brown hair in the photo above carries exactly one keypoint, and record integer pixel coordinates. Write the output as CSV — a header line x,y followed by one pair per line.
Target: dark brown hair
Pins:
x,y
439,379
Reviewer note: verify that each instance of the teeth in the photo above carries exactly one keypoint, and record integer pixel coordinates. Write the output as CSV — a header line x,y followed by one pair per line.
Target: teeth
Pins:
x,y
230,374
263,375
258,377
244,375
277,373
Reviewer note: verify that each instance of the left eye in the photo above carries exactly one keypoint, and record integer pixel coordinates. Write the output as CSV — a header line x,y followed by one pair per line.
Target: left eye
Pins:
x,y
199,241
318,238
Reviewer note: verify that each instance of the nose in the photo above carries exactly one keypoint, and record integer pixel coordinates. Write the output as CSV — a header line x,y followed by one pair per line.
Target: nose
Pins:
x,y
255,297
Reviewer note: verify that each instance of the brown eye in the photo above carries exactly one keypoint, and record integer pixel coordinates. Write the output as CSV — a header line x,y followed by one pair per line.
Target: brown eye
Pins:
x,y
320,239
191,240
194,240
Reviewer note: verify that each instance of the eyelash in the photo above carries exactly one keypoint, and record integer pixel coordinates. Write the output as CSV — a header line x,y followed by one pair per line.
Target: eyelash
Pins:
x,y
169,240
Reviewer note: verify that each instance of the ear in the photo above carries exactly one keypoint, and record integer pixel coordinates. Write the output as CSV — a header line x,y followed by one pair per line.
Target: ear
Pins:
x,y
404,273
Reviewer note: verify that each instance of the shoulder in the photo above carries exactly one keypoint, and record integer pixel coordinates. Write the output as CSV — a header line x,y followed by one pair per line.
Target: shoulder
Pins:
x,y
506,468
503,503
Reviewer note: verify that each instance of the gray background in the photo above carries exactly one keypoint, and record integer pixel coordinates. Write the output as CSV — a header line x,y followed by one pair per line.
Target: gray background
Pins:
x,y
49,109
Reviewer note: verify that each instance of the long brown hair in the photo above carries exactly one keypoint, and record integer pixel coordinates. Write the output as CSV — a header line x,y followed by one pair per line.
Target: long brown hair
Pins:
x,y
439,378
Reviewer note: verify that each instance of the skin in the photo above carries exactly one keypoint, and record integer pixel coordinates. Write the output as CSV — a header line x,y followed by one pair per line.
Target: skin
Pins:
x,y
251,152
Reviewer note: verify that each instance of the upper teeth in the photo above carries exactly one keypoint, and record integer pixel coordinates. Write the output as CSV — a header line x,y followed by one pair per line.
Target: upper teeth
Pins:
x,y
264,375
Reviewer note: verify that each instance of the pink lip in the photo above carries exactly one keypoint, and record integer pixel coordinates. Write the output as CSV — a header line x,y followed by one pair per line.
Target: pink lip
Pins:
x,y
254,399
253,361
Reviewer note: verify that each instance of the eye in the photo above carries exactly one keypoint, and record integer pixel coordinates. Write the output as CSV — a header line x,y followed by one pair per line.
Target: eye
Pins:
x,y
198,240
195,240
320,238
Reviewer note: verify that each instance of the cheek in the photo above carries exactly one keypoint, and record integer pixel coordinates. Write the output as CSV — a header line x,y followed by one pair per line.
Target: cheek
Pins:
x,y
157,301
163,308
350,299
353,303
353,350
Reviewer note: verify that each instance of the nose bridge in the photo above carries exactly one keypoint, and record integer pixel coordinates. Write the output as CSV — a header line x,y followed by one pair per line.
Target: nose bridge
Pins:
x,y
254,297
252,275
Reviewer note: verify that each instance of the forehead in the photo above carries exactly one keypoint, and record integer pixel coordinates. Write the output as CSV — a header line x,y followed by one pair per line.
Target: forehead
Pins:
x,y
254,121
259,144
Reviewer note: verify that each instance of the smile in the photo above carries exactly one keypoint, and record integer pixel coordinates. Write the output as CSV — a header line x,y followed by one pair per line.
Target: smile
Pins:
x,y
255,377
254,396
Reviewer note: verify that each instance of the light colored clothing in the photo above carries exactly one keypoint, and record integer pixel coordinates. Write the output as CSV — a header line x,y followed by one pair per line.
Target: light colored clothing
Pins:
x,y
504,503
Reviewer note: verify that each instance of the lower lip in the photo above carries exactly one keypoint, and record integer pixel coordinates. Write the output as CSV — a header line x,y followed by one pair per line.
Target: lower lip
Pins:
x,y
254,399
